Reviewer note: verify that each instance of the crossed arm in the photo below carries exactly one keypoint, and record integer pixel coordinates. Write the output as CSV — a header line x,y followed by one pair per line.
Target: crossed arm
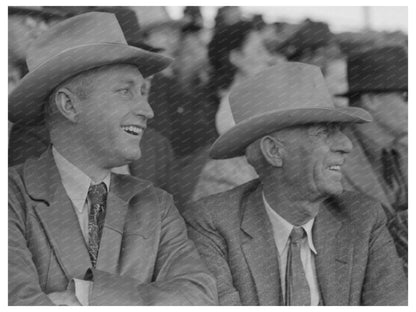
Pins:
x,y
179,277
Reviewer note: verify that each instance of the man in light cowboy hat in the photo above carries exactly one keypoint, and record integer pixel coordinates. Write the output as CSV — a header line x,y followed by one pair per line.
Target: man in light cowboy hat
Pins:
x,y
293,237
377,166
77,233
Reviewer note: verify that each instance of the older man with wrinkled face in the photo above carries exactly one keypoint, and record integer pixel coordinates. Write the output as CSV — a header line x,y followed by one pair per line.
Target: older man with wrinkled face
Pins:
x,y
294,236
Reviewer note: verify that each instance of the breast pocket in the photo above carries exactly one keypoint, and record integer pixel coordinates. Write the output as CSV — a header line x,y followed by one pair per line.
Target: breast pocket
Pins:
x,y
138,255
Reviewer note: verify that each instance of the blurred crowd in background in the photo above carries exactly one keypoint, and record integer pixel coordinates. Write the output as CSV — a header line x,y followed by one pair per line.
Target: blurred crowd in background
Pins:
x,y
189,98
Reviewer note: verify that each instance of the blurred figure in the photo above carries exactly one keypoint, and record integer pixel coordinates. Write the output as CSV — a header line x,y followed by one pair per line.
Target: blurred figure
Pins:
x,y
178,97
226,16
235,53
308,44
193,15
378,165
313,43
25,24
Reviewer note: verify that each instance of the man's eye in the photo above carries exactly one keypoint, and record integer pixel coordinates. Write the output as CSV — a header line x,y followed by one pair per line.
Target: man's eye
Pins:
x,y
144,90
124,91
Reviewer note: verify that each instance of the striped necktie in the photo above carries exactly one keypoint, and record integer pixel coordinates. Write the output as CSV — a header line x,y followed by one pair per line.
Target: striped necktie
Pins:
x,y
297,287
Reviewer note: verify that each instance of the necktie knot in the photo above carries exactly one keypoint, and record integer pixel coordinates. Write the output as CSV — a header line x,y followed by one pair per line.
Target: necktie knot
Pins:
x,y
98,193
297,234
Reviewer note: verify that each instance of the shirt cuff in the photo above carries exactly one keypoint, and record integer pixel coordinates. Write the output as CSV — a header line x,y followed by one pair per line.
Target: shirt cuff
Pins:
x,y
82,290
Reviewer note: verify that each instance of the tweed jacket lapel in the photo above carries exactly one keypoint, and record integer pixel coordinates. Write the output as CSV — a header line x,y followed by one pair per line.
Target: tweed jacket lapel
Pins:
x,y
334,258
260,250
122,189
56,214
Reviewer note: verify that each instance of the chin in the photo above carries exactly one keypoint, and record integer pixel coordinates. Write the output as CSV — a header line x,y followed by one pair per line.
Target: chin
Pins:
x,y
132,156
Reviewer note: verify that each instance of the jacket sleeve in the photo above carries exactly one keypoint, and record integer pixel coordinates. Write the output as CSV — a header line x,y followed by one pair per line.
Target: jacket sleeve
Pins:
x,y
213,249
24,287
385,282
180,277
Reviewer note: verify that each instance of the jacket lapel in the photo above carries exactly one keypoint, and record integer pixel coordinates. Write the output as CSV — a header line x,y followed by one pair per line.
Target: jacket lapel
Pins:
x,y
260,250
57,216
122,189
334,258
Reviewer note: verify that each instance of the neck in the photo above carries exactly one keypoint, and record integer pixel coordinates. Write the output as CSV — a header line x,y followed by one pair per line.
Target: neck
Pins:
x,y
293,208
79,158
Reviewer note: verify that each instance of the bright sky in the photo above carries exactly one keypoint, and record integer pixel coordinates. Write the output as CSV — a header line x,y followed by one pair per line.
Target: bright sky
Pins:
x,y
340,18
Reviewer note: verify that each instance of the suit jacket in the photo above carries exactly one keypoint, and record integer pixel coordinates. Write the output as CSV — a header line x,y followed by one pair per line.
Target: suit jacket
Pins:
x,y
356,263
145,256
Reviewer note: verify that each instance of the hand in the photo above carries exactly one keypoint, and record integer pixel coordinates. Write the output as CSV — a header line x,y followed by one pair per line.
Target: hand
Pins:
x,y
66,298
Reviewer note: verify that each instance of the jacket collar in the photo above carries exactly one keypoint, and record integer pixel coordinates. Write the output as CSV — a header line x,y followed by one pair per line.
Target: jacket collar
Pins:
x,y
333,242
57,216
259,248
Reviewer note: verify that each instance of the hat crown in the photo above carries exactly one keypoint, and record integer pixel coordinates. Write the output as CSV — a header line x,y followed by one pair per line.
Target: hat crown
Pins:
x,y
286,86
82,30
378,69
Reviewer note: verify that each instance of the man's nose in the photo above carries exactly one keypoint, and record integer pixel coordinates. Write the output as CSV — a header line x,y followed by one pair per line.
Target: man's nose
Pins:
x,y
341,143
142,108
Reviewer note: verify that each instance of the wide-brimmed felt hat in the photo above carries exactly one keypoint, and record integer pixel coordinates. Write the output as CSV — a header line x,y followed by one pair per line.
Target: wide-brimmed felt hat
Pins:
x,y
382,69
75,45
285,95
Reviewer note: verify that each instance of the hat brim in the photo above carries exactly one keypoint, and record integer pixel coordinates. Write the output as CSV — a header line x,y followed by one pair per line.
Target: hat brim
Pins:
x,y
234,142
351,93
27,99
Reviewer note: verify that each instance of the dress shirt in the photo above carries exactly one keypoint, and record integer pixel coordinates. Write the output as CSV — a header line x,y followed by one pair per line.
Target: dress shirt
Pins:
x,y
76,184
281,232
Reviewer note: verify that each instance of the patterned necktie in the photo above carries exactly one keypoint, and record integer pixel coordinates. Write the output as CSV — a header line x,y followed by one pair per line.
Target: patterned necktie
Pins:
x,y
297,287
97,195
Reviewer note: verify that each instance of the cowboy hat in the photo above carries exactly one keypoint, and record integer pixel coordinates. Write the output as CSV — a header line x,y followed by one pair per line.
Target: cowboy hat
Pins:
x,y
75,45
382,69
282,96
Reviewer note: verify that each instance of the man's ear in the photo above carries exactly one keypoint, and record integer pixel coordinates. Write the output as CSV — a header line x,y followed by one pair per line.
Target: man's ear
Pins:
x,y
272,150
67,104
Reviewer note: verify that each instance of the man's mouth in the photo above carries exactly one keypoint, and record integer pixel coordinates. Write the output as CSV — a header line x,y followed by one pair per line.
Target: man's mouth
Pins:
x,y
133,130
336,168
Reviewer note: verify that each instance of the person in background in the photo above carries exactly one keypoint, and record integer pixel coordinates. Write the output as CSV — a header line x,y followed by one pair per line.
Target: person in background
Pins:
x,y
235,53
24,25
378,165
226,16
79,234
294,236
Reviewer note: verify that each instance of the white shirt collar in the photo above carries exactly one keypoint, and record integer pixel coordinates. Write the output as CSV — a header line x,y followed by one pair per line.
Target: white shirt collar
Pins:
x,y
75,182
282,228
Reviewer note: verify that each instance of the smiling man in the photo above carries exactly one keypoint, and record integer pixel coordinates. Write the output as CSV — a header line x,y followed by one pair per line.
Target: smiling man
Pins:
x,y
79,234
294,236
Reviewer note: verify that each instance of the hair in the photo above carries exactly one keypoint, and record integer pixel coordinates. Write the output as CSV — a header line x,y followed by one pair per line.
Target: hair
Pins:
x,y
224,41
255,157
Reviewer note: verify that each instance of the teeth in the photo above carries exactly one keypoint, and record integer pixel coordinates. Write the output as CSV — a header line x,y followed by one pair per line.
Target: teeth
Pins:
x,y
132,130
335,168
